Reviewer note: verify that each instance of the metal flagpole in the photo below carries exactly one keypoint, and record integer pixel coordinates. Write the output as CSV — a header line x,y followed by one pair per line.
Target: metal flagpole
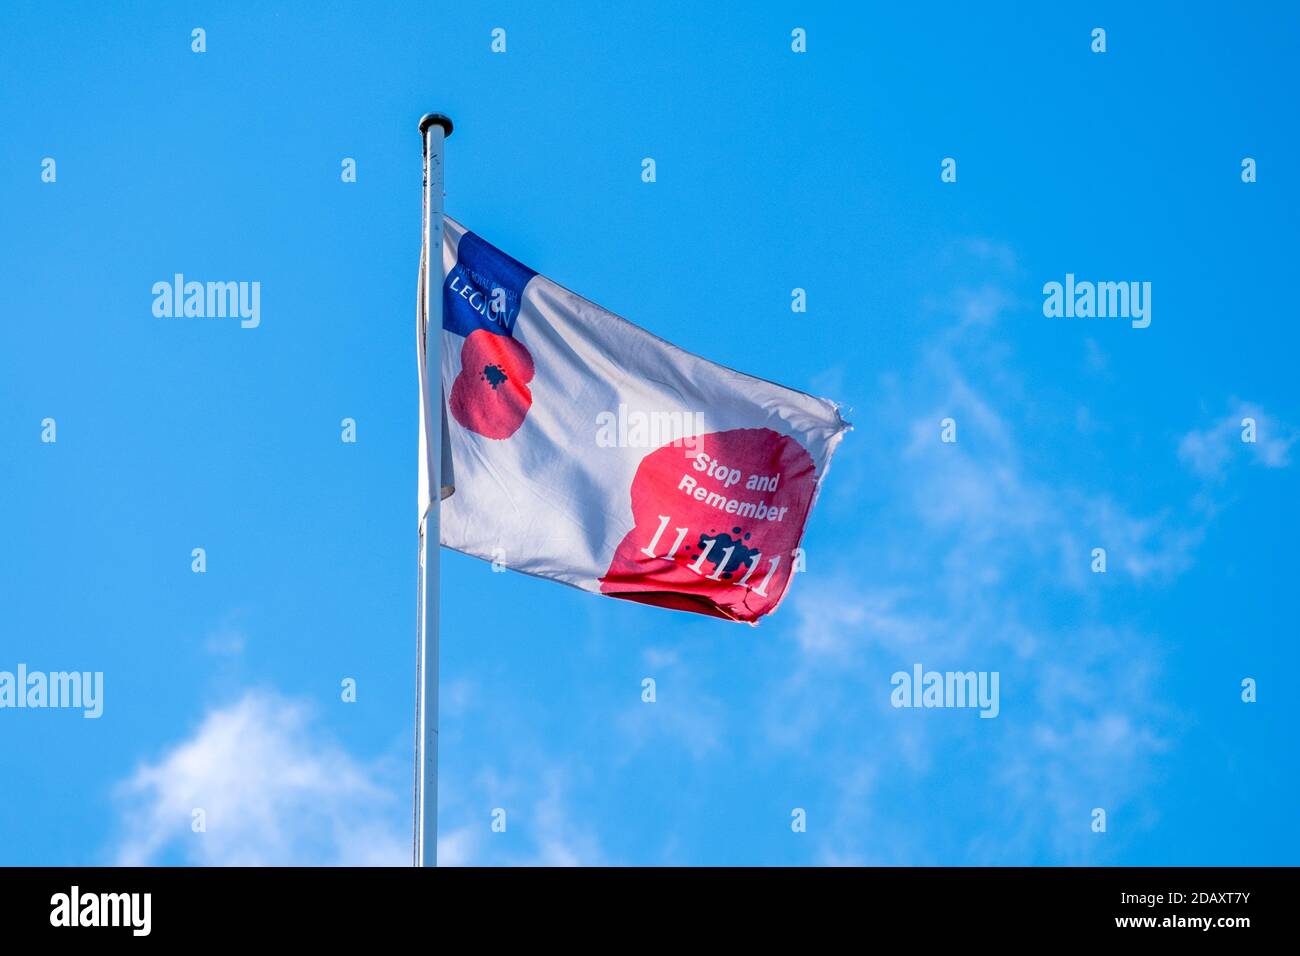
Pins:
x,y
434,129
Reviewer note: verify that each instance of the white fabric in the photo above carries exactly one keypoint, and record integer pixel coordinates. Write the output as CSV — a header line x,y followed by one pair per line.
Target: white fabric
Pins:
x,y
551,501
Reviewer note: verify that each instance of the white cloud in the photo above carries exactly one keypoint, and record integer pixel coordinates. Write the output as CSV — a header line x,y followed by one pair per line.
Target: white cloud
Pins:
x,y
546,799
978,561
1209,451
273,791
990,251
682,714
835,619
541,828
1094,359
1143,547
458,846
561,842
228,640
990,514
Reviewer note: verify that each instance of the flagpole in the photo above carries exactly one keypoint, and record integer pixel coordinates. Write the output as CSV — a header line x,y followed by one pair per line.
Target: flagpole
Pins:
x,y
434,129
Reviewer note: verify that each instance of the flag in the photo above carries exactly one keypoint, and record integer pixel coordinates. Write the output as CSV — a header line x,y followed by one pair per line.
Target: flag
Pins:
x,y
588,451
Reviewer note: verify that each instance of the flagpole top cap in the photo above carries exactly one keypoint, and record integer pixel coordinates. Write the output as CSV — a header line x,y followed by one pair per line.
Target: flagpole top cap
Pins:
x,y
428,119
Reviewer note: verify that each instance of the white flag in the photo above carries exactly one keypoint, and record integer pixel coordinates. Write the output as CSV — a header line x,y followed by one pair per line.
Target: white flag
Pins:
x,y
588,451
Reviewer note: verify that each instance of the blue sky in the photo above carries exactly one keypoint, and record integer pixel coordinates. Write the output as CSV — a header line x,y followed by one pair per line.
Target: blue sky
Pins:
x,y
775,170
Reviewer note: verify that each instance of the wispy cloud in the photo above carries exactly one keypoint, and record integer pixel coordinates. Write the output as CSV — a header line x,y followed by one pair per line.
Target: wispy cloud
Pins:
x,y
1211,450
273,791
540,827
978,559
542,799
226,640
681,715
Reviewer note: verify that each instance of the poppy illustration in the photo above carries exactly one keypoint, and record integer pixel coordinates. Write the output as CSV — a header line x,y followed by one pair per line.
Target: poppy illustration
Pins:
x,y
490,396
716,526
